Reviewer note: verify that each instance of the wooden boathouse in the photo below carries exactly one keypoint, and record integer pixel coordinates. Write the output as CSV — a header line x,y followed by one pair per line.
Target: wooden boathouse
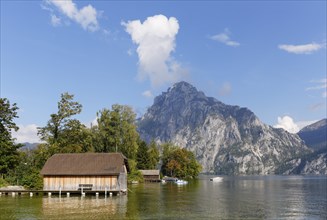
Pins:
x,y
151,175
88,172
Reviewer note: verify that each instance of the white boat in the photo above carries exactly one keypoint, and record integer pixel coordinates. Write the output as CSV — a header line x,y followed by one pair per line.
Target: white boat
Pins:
x,y
216,179
181,182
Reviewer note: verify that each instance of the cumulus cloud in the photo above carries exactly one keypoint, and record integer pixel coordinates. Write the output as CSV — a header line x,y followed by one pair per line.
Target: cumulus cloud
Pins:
x,y
226,89
301,49
224,38
26,133
147,94
155,39
319,85
86,16
287,123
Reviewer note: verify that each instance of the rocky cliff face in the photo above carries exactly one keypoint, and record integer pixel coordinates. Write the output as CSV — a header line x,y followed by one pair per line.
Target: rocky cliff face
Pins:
x,y
315,135
225,139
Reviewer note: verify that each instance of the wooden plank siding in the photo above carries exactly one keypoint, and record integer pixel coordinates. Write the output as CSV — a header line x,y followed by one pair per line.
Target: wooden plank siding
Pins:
x,y
72,182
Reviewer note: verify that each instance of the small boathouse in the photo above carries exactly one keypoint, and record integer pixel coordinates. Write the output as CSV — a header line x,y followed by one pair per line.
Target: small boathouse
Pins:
x,y
151,175
97,172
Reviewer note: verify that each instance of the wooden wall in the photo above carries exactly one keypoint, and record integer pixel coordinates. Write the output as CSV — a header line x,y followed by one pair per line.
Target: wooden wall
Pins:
x,y
72,182
151,177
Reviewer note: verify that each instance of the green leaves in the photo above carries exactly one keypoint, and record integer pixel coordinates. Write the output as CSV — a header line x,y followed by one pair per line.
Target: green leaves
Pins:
x,y
8,149
147,156
179,162
58,121
116,131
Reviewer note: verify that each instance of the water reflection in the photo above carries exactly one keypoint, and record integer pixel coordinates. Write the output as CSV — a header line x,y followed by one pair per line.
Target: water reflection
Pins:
x,y
269,197
83,207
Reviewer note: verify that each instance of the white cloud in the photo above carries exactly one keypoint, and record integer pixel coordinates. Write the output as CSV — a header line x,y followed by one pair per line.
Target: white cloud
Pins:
x,y
26,133
288,124
92,123
301,49
86,16
155,38
319,85
224,38
147,94
55,21
226,89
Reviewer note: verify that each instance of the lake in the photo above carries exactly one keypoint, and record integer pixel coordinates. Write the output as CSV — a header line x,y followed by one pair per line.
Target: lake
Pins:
x,y
246,197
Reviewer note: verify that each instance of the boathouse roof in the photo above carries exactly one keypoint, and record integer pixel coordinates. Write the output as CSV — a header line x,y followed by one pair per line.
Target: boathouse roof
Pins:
x,y
85,164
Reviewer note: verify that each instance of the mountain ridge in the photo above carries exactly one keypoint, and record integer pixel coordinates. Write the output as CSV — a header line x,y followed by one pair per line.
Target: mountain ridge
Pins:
x,y
226,139
315,135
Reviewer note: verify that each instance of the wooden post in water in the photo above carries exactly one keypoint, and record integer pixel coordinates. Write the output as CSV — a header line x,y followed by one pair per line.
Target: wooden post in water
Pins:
x,y
105,192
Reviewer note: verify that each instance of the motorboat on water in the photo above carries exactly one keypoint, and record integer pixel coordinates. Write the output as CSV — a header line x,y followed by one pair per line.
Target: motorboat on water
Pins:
x,y
216,179
181,182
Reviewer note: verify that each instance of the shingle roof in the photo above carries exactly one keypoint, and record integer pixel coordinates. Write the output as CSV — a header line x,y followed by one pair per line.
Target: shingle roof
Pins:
x,y
85,164
149,172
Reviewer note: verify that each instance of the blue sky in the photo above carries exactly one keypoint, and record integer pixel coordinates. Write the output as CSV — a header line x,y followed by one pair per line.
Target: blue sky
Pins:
x,y
267,56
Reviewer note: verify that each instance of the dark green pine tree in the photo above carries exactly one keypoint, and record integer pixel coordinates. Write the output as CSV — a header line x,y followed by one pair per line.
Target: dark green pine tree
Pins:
x,y
142,157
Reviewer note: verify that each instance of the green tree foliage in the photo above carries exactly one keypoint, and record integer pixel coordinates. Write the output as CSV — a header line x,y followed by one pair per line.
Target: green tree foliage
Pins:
x,y
179,162
63,134
26,173
58,122
147,156
8,149
154,156
116,131
134,173
142,156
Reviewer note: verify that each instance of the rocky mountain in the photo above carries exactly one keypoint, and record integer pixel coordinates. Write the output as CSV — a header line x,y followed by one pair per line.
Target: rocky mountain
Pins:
x,y
315,135
225,139
29,146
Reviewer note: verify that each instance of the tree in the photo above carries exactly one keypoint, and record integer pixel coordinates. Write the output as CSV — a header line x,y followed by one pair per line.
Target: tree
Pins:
x,y
142,158
51,133
8,149
62,133
179,162
117,131
153,154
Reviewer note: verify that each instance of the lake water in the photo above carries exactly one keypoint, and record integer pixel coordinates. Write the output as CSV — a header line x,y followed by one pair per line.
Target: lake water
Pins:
x,y
250,197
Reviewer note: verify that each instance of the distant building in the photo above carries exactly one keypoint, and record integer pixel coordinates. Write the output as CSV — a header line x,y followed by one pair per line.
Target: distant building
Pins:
x,y
151,175
90,171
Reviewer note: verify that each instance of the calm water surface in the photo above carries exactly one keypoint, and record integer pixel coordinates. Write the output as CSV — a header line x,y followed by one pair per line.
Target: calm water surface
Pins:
x,y
268,197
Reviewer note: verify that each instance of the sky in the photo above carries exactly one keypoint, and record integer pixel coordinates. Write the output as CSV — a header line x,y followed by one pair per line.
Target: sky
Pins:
x,y
268,56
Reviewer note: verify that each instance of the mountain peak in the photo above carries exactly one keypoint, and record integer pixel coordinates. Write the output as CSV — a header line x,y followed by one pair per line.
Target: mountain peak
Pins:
x,y
225,139
183,85
183,88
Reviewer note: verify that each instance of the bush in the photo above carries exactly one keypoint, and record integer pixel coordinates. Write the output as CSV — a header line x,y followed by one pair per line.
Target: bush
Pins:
x,y
3,183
